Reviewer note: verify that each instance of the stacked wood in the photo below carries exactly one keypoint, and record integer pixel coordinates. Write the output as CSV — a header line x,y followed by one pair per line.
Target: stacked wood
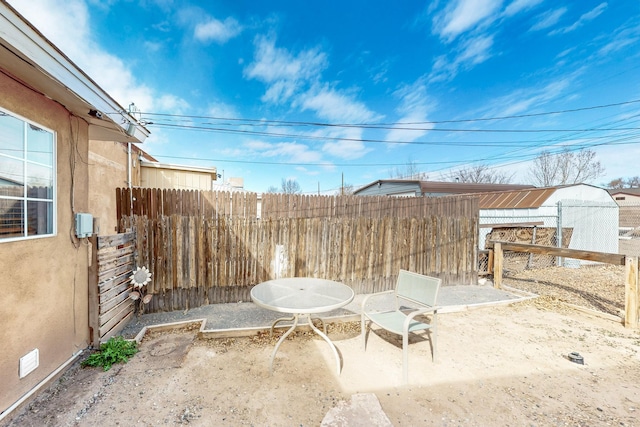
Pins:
x,y
544,236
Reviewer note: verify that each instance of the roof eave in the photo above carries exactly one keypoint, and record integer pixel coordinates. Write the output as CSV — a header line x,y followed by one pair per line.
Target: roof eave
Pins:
x,y
41,66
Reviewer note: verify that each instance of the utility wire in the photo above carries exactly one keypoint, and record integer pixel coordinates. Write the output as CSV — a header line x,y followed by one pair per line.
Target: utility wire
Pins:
x,y
389,126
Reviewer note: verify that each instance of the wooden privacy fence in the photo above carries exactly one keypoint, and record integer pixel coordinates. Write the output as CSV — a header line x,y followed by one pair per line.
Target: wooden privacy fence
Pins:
x,y
155,203
632,291
196,260
112,263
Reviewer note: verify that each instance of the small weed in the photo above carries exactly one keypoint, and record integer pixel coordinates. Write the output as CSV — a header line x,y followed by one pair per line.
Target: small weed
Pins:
x,y
116,350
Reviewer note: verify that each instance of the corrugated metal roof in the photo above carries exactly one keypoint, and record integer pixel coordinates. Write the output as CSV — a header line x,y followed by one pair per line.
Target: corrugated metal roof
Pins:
x,y
521,199
441,187
427,187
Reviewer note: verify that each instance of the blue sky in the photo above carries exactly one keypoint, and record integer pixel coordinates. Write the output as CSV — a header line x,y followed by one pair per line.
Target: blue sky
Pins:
x,y
322,92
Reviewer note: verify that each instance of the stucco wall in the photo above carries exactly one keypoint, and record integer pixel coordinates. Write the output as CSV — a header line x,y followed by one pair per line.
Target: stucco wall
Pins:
x,y
623,199
43,282
108,171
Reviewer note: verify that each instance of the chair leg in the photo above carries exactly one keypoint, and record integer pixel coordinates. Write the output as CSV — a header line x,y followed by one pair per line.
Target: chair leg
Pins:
x,y
434,337
363,332
405,357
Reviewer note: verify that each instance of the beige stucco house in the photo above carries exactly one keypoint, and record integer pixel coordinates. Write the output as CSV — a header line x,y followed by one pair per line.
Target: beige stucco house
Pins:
x,y
49,110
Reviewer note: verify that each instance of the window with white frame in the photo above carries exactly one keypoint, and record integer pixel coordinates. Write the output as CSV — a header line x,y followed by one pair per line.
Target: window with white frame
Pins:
x,y
27,179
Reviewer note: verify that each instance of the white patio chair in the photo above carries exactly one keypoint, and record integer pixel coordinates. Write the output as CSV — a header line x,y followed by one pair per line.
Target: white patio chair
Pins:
x,y
420,293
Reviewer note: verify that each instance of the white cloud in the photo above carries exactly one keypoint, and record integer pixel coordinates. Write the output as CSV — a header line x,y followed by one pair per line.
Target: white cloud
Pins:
x,y
335,106
64,22
522,100
285,74
296,79
472,52
217,31
548,19
626,35
517,6
475,51
220,109
154,47
293,152
349,147
586,17
172,103
464,15
617,45
414,108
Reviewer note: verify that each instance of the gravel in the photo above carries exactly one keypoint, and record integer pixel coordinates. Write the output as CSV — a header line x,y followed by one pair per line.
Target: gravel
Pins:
x,y
597,287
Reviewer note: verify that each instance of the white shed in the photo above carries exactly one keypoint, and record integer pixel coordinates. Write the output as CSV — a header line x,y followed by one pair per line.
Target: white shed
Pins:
x,y
590,212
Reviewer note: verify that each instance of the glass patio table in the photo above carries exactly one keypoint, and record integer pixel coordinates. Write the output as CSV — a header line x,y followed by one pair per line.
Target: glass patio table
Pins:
x,y
301,297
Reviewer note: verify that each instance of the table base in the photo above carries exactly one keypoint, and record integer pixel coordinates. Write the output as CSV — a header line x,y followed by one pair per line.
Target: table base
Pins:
x,y
296,318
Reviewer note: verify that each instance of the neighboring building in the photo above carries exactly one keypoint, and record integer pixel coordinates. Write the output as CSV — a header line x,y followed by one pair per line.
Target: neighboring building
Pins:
x,y
416,188
626,196
124,165
234,184
49,110
111,165
589,212
178,177
628,199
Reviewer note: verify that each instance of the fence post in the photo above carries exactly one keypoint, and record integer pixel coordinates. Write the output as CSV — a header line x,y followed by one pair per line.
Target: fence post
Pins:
x,y
631,309
559,233
94,303
498,256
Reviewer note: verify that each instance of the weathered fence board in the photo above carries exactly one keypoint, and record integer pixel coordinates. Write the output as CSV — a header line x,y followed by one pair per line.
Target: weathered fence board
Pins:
x,y
632,292
154,203
110,308
201,261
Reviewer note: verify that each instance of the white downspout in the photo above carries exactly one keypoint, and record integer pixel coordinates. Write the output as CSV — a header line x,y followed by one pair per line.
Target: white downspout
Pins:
x,y
129,183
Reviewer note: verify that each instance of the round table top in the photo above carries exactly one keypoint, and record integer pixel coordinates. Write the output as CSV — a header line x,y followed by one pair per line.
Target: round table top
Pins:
x,y
301,295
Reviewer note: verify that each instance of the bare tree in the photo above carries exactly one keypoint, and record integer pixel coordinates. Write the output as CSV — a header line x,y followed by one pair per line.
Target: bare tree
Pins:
x,y
616,183
480,174
410,171
633,182
290,186
272,189
566,167
345,190
620,183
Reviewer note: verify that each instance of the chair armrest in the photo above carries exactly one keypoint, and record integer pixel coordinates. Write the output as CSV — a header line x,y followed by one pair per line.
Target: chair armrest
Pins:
x,y
366,299
411,315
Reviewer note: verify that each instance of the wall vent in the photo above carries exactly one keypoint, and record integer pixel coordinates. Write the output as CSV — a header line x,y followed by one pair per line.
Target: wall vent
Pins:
x,y
29,362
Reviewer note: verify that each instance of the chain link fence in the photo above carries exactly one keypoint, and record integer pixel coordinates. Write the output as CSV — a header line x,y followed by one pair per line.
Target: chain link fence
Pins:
x,y
571,224
588,226
629,228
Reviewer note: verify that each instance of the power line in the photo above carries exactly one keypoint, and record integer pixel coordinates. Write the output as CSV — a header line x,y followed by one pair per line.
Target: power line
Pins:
x,y
387,126
453,130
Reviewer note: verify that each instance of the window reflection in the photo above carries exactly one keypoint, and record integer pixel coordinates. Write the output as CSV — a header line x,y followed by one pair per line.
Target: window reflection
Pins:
x,y
27,178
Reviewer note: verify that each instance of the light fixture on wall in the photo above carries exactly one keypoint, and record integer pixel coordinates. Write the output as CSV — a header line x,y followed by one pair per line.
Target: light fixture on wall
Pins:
x,y
131,129
95,113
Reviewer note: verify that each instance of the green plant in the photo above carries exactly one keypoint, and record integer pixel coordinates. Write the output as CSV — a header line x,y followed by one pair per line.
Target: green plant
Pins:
x,y
116,350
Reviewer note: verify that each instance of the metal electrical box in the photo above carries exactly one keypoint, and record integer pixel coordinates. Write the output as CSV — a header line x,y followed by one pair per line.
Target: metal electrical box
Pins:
x,y
84,225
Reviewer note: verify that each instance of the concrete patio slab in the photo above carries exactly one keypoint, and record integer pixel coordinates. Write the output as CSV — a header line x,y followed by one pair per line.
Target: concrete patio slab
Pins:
x,y
248,316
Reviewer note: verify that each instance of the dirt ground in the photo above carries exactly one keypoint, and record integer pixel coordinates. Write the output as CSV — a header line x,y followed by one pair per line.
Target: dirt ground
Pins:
x,y
597,287
498,366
